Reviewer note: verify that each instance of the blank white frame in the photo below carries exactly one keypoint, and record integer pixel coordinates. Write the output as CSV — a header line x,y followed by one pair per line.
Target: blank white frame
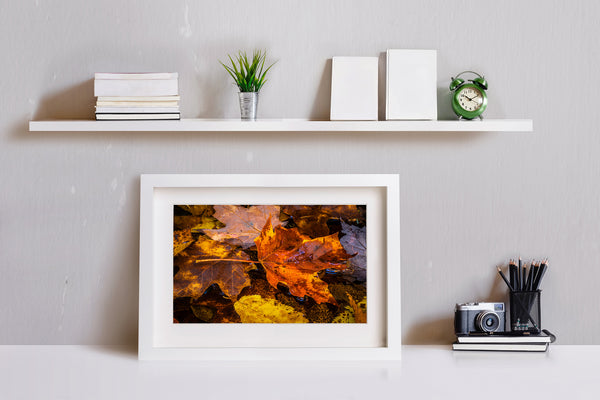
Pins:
x,y
411,84
354,88
150,263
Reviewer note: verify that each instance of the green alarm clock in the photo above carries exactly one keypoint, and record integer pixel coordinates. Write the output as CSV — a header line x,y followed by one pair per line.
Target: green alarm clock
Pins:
x,y
469,99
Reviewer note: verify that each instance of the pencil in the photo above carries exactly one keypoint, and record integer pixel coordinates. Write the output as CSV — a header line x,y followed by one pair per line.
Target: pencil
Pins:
x,y
529,285
505,280
543,269
514,280
536,273
520,276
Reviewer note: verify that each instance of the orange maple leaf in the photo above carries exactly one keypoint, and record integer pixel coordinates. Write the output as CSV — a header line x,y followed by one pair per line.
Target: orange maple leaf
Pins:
x,y
295,259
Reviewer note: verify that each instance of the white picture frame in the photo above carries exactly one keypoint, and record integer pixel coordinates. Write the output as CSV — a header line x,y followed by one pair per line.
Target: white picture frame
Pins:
x,y
411,85
354,88
160,338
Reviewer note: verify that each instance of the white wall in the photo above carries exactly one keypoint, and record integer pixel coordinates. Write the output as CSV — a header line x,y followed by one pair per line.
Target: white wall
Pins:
x,y
69,201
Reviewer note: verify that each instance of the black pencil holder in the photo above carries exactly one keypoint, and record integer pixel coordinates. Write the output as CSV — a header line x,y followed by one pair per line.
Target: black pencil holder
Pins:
x,y
525,311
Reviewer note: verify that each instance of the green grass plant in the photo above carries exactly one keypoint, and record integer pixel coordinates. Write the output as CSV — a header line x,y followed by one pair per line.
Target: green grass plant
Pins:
x,y
248,74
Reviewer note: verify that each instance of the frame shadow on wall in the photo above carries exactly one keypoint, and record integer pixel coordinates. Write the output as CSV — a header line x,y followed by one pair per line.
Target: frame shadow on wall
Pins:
x,y
74,102
322,102
436,331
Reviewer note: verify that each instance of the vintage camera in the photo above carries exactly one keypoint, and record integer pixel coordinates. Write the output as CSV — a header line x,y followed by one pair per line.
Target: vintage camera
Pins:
x,y
479,318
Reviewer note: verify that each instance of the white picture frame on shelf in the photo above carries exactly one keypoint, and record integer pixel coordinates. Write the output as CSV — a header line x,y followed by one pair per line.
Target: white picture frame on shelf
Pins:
x,y
411,85
376,339
354,88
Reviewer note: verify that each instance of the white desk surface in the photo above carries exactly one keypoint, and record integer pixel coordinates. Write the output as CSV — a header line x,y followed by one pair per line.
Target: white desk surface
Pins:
x,y
425,372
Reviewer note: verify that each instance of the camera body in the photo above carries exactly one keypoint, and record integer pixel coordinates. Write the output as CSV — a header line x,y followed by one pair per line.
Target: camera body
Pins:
x,y
479,318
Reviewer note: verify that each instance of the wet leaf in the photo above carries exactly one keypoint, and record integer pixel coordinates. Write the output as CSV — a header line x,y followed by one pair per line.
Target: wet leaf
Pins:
x,y
201,218
221,307
242,224
207,262
255,309
203,313
347,212
312,220
355,242
181,240
195,224
198,210
295,259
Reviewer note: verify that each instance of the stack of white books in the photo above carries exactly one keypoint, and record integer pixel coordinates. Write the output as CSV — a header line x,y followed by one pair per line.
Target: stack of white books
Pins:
x,y
137,96
503,342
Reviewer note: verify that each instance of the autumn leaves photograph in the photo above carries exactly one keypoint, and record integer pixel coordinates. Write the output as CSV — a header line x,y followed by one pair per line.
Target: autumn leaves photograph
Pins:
x,y
269,264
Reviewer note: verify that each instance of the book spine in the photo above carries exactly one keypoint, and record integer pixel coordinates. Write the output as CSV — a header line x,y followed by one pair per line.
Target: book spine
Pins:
x,y
138,75
135,110
139,98
120,117
140,87
137,104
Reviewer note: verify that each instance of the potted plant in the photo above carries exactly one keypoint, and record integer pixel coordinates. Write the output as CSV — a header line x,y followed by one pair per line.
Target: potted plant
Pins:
x,y
249,74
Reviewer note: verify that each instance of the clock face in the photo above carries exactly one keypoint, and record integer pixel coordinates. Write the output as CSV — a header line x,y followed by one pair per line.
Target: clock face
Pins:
x,y
470,99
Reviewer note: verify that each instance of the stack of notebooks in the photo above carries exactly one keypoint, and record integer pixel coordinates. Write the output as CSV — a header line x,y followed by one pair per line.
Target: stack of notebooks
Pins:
x,y
503,342
137,96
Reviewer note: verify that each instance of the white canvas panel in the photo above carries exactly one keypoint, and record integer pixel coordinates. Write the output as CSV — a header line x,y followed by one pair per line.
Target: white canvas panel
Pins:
x,y
354,88
411,85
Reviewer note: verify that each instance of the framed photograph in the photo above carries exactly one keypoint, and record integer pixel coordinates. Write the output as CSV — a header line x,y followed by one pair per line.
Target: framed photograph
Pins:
x,y
269,267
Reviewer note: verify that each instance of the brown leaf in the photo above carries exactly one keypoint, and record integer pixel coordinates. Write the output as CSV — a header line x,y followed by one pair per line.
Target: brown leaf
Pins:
x,y
312,220
242,224
201,218
347,212
181,240
295,259
198,210
206,262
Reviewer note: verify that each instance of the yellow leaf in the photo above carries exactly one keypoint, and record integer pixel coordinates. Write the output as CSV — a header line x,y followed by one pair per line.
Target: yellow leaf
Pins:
x,y
254,309
201,218
354,313
181,240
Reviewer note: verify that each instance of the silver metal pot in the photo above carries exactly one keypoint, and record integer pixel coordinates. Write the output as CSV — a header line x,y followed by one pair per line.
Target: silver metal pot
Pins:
x,y
248,105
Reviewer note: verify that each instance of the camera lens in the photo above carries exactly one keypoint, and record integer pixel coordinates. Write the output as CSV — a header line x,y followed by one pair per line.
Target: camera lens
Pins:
x,y
487,321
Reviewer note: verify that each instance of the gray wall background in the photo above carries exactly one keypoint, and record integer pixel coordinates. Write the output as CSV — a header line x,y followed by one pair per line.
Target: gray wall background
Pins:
x,y
69,220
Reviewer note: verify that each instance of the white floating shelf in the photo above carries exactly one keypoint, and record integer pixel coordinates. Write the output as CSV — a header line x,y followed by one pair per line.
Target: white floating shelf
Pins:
x,y
282,125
